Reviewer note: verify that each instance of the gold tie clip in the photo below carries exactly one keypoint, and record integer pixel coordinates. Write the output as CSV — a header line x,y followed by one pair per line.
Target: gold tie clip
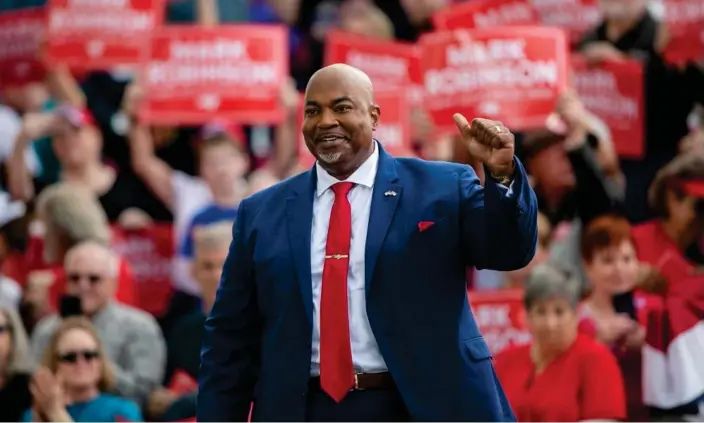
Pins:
x,y
337,256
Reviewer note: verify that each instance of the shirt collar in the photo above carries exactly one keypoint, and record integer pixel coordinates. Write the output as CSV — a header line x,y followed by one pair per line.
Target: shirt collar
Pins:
x,y
364,175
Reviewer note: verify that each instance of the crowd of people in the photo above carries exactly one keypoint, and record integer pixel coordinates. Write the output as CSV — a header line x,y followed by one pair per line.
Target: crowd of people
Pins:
x,y
612,298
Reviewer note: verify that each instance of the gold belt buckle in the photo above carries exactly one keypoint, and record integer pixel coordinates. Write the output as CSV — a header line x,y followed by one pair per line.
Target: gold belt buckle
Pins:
x,y
356,382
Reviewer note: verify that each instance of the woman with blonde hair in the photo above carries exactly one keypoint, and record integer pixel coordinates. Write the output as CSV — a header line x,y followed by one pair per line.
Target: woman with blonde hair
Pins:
x,y
73,381
14,367
67,215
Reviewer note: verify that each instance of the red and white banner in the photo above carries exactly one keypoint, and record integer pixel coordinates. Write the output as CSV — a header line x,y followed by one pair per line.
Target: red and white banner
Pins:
x,y
576,17
673,371
501,318
390,65
149,252
232,72
393,131
511,74
101,34
614,93
21,33
485,13
684,20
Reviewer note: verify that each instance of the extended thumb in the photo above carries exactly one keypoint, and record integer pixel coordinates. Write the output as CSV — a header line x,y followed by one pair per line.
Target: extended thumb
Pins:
x,y
461,122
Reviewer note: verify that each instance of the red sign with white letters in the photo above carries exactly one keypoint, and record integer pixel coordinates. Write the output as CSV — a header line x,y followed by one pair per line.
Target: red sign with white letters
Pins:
x,y
21,33
233,72
485,13
390,65
613,91
149,251
511,74
576,17
501,318
684,20
101,34
393,132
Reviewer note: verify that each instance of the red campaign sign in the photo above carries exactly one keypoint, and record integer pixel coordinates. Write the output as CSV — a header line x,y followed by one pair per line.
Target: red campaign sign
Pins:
x,y
574,16
501,318
101,34
21,33
511,74
390,65
393,132
613,92
485,13
232,72
684,20
149,252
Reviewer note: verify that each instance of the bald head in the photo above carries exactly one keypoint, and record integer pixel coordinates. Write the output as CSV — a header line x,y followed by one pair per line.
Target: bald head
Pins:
x,y
340,73
91,272
340,117
95,252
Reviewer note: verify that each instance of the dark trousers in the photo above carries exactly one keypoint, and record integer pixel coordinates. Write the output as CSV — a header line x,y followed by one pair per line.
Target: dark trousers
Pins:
x,y
372,405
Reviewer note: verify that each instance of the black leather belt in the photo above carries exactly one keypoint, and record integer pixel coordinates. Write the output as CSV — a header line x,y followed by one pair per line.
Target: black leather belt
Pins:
x,y
364,381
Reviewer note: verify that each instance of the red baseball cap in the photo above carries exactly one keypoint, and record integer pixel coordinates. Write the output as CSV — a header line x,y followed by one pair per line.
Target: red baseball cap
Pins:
x,y
693,188
75,116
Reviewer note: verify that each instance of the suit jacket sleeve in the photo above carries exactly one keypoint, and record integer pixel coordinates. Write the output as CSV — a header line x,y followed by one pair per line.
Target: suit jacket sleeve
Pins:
x,y
499,230
230,352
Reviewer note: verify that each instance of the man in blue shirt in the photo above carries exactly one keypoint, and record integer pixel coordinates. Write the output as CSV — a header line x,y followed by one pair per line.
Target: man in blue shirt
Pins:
x,y
213,213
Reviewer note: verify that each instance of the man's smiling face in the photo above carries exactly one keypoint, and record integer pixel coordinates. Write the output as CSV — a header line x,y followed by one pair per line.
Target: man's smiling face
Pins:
x,y
340,118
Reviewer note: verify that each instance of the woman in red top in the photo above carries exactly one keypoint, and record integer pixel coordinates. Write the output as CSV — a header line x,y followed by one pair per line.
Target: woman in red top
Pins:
x,y
561,375
611,265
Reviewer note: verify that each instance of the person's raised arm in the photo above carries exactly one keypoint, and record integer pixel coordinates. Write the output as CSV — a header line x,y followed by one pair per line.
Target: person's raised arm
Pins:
x,y
229,367
34,126
596,194
64,87
500,220
155,173
287,132
286,10
207,13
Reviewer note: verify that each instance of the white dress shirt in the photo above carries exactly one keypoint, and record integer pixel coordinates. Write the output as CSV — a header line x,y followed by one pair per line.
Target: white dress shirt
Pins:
x,y
365,351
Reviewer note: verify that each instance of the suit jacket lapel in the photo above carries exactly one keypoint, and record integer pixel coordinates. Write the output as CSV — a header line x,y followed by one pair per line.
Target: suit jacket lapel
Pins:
x,y
299,214
386,195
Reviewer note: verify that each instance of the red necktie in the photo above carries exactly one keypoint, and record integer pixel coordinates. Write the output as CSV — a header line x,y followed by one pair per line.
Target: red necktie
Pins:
x,y
336,370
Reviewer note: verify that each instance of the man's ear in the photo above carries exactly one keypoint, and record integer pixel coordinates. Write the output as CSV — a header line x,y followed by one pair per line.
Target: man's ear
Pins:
x,y
375,112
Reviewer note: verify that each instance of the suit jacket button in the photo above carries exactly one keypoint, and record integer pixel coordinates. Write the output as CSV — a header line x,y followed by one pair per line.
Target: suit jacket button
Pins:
x,y
519,212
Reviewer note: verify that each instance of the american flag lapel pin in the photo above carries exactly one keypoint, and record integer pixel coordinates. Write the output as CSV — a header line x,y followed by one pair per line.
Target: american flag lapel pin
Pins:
x,y
390,194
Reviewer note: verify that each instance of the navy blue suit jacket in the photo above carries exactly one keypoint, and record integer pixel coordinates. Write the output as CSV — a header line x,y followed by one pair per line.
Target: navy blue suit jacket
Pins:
x,y
257,343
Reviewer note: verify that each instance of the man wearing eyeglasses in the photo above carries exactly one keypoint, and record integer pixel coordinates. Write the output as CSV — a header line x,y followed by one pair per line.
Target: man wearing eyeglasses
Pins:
x,y
133,340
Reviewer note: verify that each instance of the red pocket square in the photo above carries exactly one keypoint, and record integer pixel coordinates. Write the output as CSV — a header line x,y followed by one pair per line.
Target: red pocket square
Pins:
x,y
424,225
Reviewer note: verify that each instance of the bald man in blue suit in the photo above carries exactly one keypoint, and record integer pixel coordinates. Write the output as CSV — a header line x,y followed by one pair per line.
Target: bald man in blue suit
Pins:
x,y
343,297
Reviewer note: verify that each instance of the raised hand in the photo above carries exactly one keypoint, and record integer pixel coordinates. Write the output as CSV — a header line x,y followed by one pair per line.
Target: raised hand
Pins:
x,y
489,141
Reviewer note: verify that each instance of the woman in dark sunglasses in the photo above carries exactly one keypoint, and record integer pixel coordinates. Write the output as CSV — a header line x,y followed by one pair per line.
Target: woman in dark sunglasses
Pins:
x,y
14,367
74,380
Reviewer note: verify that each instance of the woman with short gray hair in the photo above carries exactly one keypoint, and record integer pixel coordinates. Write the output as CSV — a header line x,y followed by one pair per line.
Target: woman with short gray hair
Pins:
x,y
561,375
